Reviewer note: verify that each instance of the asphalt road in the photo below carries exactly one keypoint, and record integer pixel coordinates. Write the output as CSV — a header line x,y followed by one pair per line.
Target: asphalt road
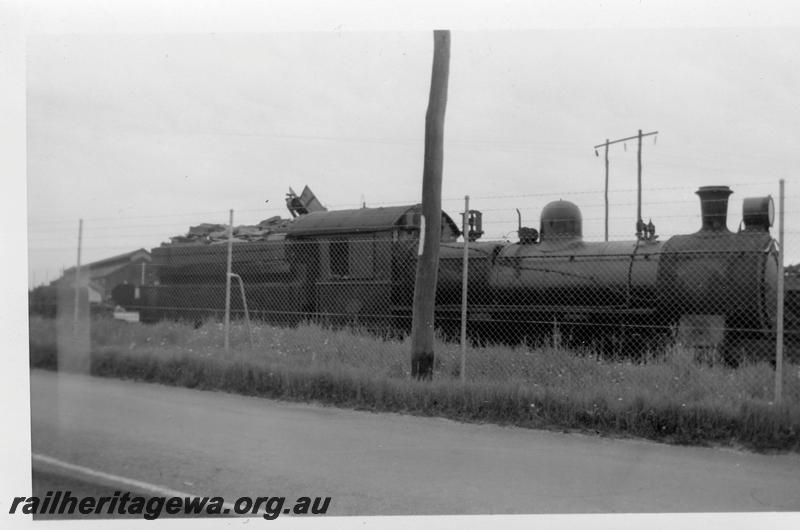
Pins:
x,y
210,443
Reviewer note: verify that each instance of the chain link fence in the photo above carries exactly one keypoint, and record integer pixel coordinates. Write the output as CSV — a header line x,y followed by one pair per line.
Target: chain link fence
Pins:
x,y
692,313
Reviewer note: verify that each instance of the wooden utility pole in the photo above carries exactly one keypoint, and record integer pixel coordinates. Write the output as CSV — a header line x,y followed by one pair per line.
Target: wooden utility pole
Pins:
x,y
639,221
431,220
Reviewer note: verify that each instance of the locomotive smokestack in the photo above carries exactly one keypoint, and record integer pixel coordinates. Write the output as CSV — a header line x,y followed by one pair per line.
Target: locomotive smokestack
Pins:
x,y
714,207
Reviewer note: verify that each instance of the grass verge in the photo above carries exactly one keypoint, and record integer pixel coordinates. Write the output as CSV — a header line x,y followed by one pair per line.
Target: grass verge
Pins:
x,y
673,400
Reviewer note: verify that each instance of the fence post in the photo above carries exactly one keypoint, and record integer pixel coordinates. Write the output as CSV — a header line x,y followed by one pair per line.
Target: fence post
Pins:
x,y
465,230
77,280
606,192
779,312
228,284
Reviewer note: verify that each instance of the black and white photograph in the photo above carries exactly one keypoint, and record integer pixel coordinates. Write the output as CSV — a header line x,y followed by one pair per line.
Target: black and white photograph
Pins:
x,y
333,262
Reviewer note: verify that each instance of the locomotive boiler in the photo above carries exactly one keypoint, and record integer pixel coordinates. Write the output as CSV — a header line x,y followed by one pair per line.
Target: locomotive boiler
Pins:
x,y
712,289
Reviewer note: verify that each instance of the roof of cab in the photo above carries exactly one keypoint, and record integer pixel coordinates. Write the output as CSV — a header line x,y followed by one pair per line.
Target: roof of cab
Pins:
x,y
360,220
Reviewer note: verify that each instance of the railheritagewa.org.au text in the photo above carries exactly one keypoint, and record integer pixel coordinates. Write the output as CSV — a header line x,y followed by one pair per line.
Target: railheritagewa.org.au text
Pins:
x,y
64,503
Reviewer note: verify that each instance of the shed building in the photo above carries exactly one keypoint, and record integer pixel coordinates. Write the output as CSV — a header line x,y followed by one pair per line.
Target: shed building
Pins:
x,y
100,277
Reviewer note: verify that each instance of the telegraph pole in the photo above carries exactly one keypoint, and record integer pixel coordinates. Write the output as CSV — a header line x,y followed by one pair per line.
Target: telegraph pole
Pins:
x,y
639,221
431,220
638,137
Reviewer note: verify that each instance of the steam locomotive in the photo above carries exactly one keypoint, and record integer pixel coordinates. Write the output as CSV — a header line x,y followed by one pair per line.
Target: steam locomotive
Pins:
x,y
713,289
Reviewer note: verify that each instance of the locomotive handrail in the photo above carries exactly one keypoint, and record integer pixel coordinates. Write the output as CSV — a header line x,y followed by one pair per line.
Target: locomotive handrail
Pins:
x,y
627,255
618,309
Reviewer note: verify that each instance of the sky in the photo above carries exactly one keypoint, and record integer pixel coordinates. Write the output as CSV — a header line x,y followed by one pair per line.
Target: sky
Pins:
x,y
143,134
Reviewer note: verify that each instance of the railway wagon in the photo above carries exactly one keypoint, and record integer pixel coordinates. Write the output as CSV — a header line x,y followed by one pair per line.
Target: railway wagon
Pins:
x,y
346,266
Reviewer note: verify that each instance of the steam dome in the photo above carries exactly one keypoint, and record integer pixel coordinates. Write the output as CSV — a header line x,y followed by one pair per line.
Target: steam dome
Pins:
x,y
561,220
